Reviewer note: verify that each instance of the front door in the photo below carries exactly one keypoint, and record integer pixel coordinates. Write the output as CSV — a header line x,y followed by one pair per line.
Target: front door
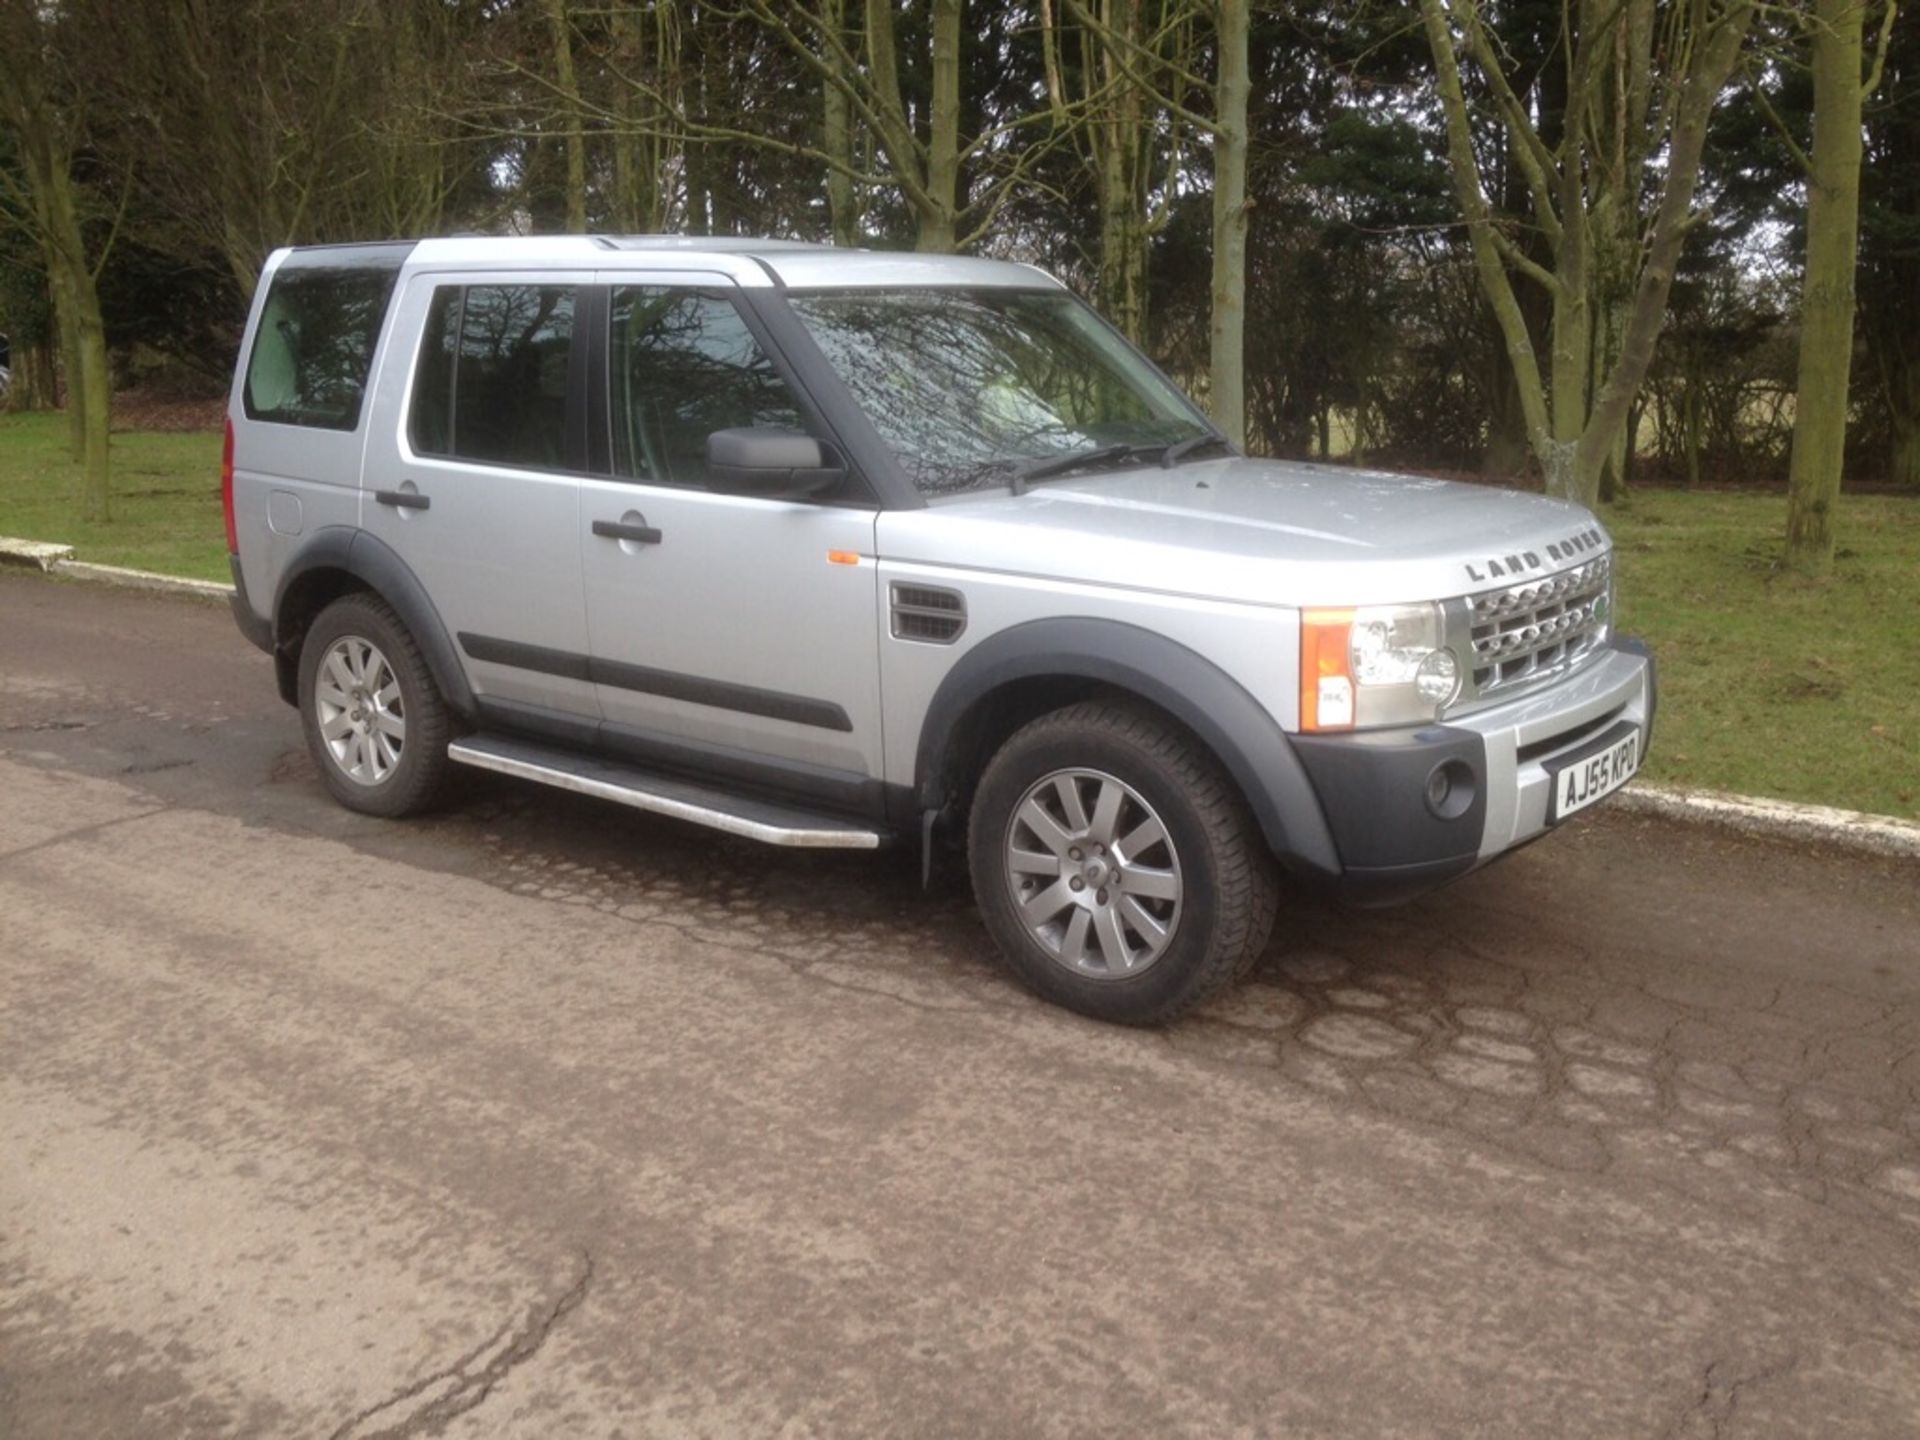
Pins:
x,y
475,482
739,628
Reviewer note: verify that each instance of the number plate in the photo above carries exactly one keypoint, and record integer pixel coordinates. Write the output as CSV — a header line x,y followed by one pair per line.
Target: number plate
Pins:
x,y
1579,782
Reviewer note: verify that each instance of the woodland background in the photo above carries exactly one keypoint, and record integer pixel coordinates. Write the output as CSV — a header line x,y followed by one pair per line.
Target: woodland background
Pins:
x,y
1579,244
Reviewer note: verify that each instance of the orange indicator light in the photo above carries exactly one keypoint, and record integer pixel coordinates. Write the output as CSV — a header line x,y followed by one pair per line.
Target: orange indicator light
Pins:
x,y
1326,683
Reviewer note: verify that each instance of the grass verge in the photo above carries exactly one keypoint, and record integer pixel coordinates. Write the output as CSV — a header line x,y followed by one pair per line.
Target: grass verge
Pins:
x,y
1770,684
166,497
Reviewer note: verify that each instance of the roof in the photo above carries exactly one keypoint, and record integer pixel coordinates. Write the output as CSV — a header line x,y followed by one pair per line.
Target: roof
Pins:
x,y
752,262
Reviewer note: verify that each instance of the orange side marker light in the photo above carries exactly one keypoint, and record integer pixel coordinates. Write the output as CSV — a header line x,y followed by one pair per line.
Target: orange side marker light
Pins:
x,y
1326,681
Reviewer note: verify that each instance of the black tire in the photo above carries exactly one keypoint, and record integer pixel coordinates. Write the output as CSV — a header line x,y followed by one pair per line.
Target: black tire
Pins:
x,y
417,778
1228,882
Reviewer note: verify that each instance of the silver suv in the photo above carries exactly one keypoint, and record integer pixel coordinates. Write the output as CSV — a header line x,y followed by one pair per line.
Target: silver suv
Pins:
x,y
833,548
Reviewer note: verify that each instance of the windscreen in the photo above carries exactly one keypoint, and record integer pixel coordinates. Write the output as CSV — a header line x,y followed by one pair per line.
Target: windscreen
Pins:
x,y
968,387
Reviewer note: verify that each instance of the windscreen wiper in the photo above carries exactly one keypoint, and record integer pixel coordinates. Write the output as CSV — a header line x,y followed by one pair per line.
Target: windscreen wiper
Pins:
x,y
1174,454
1061,464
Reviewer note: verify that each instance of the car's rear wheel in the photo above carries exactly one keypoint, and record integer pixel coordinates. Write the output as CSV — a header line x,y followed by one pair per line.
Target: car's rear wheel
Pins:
x,y
375,721
1116,866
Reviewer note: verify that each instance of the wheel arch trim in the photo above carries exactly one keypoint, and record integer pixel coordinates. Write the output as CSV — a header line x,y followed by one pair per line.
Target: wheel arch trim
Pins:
x,y
379,567
1242,735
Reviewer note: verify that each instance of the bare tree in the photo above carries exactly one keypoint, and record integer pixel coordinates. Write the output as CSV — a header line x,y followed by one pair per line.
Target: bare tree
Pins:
x,y
1227,362
567,88
1827,292
1127,89
41,111
340,131
1576,411
921,146
836,129
1141,64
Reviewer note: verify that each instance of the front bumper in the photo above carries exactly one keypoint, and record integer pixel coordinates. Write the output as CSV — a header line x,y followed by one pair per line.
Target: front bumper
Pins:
x,y
1395,843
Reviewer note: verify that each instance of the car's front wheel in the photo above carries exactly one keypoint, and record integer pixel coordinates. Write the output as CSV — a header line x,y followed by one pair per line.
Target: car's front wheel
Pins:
x,y
374,720
1116,865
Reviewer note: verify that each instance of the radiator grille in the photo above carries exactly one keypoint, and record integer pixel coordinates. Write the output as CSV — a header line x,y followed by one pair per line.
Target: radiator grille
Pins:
x,y
928,614
1527,631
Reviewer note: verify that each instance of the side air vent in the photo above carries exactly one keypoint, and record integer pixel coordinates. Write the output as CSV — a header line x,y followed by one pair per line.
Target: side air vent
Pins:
x,y
928,614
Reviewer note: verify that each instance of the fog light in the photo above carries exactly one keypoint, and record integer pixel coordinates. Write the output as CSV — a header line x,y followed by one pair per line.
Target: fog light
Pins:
x,y
1438,678
1450,789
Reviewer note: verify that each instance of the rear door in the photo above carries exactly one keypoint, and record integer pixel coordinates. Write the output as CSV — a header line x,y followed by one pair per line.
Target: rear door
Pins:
x,y
474,478
740,626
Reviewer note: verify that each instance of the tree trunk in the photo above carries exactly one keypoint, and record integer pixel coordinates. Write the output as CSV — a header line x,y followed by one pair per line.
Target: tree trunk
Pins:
x,y
1464,169
1506,450
940,215
569,88
624,205
71,369
1690,404
96,399
44,154
1826,300
1119,172
1122,229
837,137
1613,302
35,384
1571,395
669,76
697,220
83,345
1228,347
1905,463
1613,468
1903,405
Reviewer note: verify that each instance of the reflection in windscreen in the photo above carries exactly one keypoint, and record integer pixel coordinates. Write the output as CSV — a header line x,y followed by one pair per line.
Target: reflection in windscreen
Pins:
x,y
967,385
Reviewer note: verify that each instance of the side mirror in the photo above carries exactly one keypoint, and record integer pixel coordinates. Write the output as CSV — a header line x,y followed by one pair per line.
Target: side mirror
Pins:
x,y
760,460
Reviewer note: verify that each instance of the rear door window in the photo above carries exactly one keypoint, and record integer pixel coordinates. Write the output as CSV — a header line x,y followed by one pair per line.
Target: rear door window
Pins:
x,y
314,345
492,380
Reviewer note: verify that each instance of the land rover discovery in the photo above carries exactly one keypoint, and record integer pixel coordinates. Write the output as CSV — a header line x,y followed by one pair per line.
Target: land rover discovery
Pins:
x,y
835,548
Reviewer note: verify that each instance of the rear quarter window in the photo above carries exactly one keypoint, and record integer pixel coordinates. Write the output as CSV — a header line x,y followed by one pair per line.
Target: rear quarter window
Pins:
x,y
314,346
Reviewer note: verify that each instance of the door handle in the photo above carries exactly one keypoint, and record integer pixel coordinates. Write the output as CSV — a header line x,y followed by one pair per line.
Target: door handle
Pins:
x,y
616,530
402,499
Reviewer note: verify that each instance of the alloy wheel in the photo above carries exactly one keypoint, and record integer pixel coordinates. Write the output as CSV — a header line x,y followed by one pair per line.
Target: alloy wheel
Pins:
x,y
1093,873
356,698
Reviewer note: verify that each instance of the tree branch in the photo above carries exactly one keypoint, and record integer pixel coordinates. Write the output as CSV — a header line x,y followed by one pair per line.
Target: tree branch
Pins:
x,y
1879,67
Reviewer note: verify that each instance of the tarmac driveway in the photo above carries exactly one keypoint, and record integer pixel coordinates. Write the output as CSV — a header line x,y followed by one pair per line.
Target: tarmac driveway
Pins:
x,y
546,1118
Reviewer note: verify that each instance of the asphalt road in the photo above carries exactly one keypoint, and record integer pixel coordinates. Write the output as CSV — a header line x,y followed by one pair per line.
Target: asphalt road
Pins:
x,y
546,1118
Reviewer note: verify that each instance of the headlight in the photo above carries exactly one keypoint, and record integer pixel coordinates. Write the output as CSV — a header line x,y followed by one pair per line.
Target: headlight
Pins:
x,y
1390,642
1437,681
1375,665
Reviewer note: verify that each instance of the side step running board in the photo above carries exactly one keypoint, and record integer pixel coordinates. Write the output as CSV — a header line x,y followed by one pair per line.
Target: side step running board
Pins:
x,y
682,799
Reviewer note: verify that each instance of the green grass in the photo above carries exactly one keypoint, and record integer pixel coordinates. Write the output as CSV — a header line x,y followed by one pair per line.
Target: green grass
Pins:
x,y
166,497
1770,684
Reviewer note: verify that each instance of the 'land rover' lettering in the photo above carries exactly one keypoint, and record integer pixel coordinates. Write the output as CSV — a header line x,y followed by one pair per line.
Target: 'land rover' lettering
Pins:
x,y
1501,566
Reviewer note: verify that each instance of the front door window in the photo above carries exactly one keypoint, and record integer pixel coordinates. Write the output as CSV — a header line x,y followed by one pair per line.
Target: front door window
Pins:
x,y
684,364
